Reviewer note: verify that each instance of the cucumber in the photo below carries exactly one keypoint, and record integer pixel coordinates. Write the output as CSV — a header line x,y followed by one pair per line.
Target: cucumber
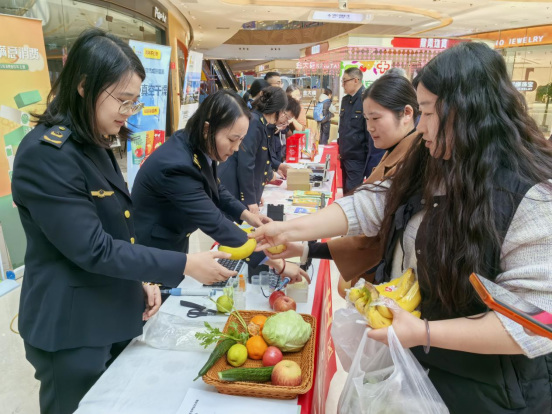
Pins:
x,y
247,374
220,350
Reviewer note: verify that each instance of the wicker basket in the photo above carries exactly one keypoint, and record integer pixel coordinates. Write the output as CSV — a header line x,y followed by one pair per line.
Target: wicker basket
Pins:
x,y
305,359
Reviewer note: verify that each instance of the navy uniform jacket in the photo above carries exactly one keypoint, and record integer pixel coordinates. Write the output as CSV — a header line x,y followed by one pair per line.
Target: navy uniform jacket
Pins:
x,y
82,271
247,171
355,142
275,147
176,192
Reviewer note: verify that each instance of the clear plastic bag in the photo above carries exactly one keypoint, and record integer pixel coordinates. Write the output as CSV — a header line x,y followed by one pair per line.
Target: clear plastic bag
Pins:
x,y
388,380
348,326
168,331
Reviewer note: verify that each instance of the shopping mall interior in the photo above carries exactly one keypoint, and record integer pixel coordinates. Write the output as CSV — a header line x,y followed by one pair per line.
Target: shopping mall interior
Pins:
x,y
228,44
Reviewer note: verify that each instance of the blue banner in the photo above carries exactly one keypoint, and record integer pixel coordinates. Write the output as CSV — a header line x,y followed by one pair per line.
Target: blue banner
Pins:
x,y
149,124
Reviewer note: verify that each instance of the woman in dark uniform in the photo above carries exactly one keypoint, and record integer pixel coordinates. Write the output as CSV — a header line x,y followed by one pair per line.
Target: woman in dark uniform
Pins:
x,y
177,190
82,298
247,171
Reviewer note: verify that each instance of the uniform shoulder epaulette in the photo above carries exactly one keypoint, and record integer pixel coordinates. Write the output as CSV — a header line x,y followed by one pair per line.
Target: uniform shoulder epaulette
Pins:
x,y
196,161
56,136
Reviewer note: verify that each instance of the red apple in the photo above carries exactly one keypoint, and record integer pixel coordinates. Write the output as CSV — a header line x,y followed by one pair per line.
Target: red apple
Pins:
x,y
275,295
286,373
138,152
272,356
284,303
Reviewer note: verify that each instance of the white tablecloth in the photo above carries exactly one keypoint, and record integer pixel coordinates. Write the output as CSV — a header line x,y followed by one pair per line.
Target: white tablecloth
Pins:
x,y
147,380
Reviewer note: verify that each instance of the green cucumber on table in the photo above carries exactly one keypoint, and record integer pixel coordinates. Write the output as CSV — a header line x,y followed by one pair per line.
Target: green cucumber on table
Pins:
x,y
220,350
262,374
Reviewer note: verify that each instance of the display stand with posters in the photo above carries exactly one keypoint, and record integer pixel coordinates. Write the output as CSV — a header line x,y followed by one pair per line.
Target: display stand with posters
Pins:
x,y
192,81
25,87
148,126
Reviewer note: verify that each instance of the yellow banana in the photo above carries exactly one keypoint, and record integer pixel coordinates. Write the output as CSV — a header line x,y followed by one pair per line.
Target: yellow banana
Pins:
x,y
412,299
385,311
241,252
370,291
360,304
375,319
417,314
397,288
354,294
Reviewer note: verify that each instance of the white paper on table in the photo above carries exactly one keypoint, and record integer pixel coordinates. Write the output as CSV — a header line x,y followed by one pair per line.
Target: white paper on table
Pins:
x,y
205,402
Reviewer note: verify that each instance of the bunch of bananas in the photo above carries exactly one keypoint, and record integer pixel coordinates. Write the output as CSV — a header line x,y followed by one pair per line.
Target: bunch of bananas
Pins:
x,y
403,290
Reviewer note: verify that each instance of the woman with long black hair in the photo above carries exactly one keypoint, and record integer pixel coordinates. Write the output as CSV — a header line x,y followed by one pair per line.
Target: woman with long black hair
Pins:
x,y
473,195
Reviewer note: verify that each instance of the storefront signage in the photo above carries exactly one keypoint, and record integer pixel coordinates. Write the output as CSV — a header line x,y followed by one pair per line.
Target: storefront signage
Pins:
x,y
424,42
159,14
529,36
525,86
316,49
338,17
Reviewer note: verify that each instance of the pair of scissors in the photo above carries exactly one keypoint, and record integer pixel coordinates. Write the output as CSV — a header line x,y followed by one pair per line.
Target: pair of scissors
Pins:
x,y
197,310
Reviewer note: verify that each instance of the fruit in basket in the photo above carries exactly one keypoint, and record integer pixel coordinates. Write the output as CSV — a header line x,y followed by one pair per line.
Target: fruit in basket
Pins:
x,y
275,295
224,304
241,252
284,303
237,355
277,249
256,347
255,325
272,356
286,373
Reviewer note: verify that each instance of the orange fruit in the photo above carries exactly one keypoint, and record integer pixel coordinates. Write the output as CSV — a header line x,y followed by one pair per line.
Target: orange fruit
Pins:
x,y
256,347
256,325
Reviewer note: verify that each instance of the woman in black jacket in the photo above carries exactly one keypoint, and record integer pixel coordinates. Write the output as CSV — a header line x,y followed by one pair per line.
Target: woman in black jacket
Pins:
x,y
82,298
247,171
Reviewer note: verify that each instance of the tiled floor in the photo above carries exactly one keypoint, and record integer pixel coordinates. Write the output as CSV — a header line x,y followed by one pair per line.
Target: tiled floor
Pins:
x,y
19,389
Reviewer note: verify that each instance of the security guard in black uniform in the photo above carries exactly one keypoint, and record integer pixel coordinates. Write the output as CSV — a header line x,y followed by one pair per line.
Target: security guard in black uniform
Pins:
x,y
177,189
248,170
82,298
356,147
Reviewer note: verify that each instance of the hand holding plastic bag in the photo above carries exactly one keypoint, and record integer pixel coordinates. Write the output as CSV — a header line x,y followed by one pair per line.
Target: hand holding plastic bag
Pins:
x,y
388,380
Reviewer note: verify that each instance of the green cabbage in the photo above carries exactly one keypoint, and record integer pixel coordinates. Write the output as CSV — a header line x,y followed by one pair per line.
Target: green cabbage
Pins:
x,y
287,331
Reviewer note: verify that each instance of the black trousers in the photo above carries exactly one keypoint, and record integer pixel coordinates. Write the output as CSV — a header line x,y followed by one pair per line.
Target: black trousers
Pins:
x,y
66,376
352,174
